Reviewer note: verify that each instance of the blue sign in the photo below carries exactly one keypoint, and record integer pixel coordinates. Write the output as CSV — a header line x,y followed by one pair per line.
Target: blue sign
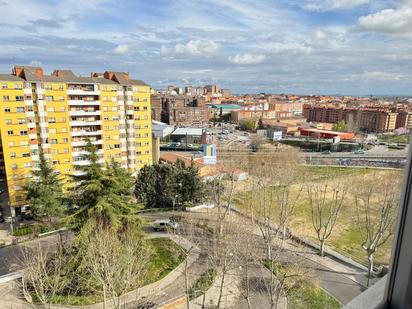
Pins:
x,y
209,154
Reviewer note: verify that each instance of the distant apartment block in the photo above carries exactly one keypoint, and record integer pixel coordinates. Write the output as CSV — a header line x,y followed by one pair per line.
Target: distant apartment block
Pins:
x,y
362,118
55,114
180,110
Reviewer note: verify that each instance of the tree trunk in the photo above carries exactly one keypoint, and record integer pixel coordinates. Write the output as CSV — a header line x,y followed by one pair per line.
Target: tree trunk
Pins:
x,y
104,297
187,285
370,267
222,282
322,248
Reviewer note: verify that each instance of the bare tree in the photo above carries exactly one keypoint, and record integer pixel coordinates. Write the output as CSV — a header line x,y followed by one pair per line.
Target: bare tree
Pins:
x,y
117,260
43,273
326,202
377,202
223,186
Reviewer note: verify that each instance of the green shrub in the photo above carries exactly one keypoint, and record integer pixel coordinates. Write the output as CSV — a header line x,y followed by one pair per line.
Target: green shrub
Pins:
x,y
22,231
202,284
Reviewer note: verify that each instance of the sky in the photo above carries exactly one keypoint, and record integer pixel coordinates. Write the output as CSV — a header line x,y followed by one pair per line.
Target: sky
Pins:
x,y
354,47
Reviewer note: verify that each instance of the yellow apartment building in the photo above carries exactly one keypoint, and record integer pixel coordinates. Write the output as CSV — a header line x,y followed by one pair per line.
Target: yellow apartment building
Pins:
x,y
55,114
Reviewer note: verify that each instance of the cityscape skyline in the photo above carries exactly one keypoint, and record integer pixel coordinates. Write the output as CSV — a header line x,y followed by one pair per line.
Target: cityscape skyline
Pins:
x,y
326,47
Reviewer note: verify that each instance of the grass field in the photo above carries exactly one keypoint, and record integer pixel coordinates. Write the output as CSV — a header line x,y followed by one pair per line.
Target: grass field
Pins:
x,y
345,237
303,293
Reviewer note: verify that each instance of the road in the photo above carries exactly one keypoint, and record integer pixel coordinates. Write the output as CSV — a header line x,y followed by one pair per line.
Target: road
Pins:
x,y
340,284
10,256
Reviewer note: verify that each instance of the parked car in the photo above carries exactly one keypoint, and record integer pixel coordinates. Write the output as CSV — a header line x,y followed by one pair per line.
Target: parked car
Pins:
x,y
164,224
359,151
326,152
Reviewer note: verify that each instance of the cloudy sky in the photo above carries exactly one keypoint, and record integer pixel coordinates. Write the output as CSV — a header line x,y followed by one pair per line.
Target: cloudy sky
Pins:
x,y
302,46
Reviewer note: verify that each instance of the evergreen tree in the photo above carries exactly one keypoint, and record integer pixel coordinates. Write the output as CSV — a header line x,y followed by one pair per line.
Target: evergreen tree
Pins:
x,y
260,125
45,193
103,193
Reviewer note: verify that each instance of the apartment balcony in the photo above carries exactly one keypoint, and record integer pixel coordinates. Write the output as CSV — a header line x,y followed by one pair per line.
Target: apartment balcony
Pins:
x,y
31,125
39,90
84,143
86,133
79,173
86,162
27,90
30,114
84,102
84,152
85,113
85,123
32,136
82,92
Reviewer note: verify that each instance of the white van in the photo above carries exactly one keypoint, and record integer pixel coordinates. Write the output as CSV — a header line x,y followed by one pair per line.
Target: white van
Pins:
x,y
164,224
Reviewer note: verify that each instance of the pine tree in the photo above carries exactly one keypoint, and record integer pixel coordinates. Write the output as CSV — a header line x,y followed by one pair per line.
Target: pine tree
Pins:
x,y
260,125
103,193
45,193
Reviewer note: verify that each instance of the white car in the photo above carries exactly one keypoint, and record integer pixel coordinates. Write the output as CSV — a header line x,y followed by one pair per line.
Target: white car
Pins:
x,y
164,224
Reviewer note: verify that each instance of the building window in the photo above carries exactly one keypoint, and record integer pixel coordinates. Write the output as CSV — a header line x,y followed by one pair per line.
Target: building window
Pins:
x,y
114,109
9,121
18,86
116,145
136,99
104,98
53,141
61,98
62,109
26,154
12,155
61,87
27,164
14,166
10,132
20,109
49,98
51,120
114,99
11,144
105,108
6,98
63,119
52,130
65,140
64,130
145,108
19,98
7,109
48,87
106,118
66,150
50,109
136,108
23,132
22,121
4,86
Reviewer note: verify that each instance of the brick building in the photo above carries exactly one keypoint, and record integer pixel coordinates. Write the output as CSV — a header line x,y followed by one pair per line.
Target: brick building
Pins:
x,y
363,118
182,110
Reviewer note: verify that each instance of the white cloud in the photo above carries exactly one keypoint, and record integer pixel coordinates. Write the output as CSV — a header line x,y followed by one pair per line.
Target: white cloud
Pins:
x,y
193,48
389,21
246,59
121,49
332,5
294,48
377,76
